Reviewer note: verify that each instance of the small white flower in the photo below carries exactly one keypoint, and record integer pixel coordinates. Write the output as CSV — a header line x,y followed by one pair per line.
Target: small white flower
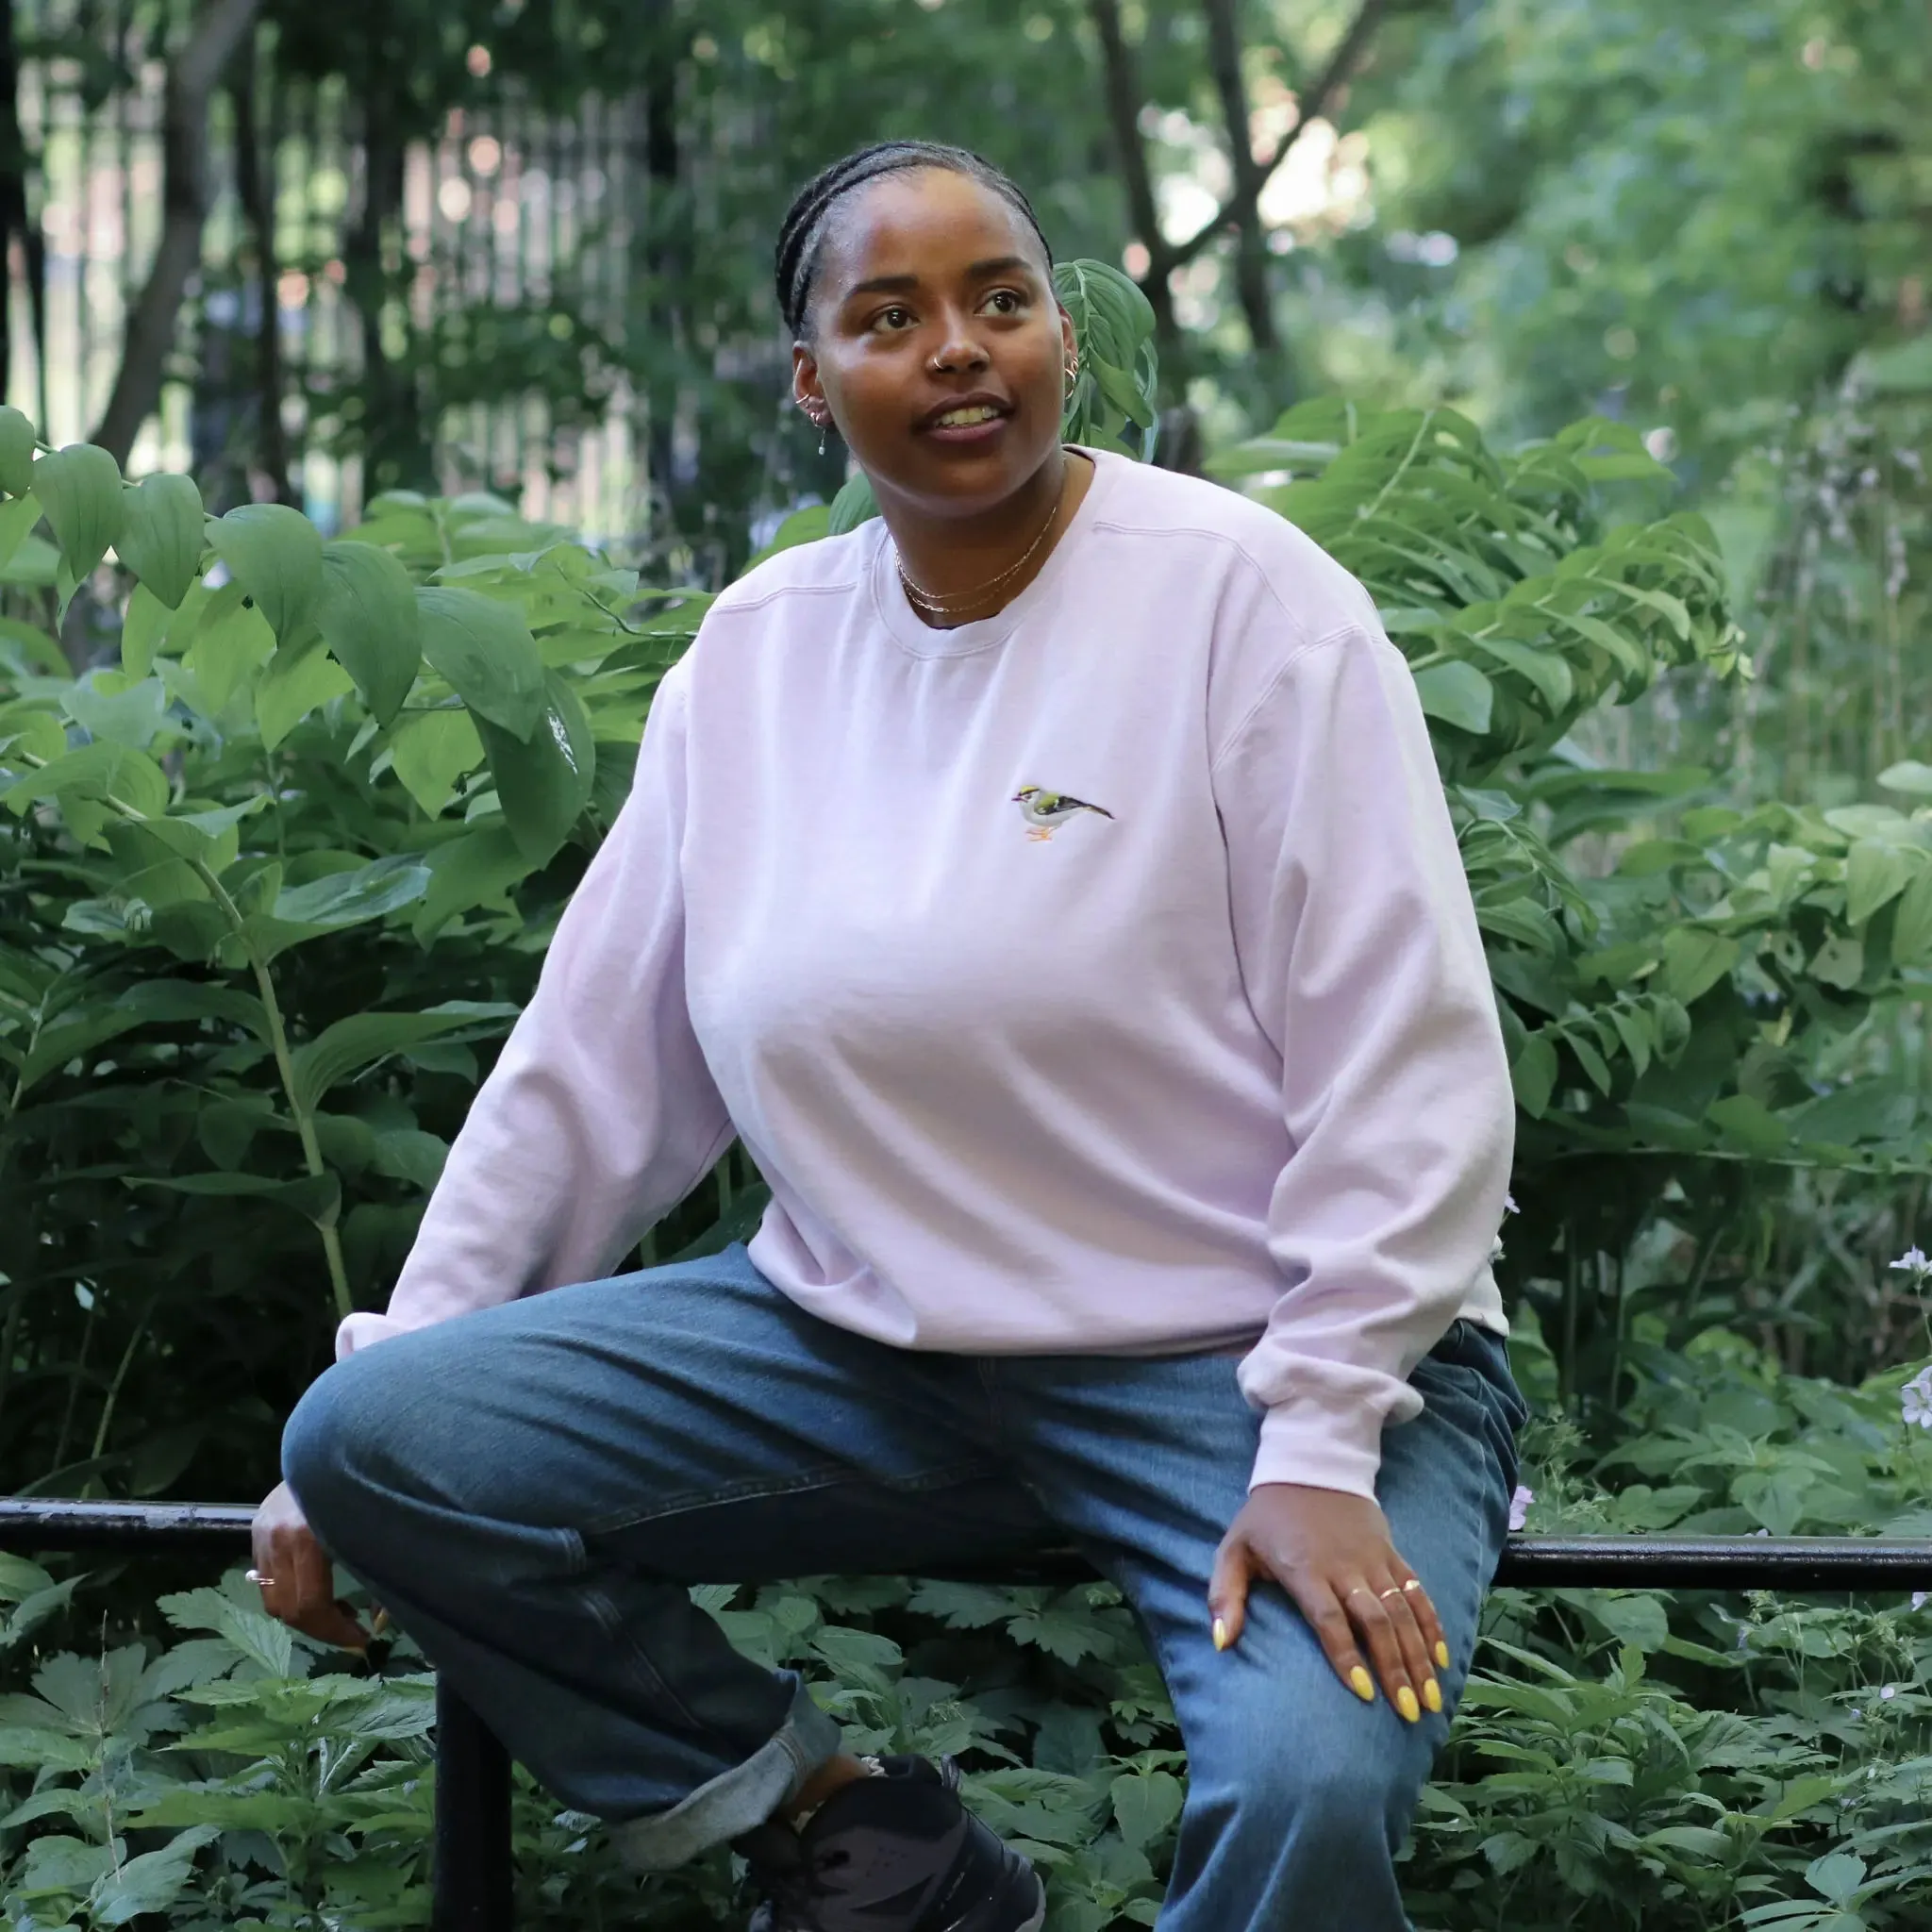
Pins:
x,y
1519,1507
1890,1691
1496,1250
1913,1262
1915,1400
1921,1598
1509,1207
1856,1714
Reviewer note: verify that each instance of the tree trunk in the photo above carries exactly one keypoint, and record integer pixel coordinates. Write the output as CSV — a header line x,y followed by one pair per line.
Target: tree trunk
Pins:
x,y
395,448
1348,55
1123,101
255,174
220,27
1251,243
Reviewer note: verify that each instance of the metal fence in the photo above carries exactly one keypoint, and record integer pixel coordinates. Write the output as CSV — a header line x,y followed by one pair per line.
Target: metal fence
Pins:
x,y
505,206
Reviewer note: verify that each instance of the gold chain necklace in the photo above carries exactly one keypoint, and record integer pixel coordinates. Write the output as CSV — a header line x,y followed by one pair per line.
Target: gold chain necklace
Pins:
x,y
964,600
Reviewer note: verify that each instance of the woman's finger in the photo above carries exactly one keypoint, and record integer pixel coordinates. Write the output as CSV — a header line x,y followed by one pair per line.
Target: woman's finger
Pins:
x,y
1400,1606
1424,1612
1228,1591
1370,1615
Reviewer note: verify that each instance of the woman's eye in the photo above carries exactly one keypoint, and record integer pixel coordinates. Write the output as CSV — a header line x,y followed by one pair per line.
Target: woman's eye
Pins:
x,y
1006,301
894,317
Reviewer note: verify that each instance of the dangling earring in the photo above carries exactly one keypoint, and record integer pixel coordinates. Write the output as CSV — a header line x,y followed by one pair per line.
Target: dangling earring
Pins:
x,y
821,439
1073,373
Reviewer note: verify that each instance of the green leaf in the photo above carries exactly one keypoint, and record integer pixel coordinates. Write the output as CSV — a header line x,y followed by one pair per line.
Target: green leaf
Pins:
x,y
234,641
142,629
854,505
367,611
347,898
96,772
1457,694
16,519
1533,1075
1911,777
430,751
478,869
1748,1125
1695,960
1912,928
150,1883
79,487
275,553
543,785
161,539
298,678
133,714
484,650
364,1038
1145,1804
1875,872
16,452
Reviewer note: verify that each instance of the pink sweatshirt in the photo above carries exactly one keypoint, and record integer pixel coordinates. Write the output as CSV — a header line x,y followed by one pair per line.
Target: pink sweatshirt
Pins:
x,y
1099,978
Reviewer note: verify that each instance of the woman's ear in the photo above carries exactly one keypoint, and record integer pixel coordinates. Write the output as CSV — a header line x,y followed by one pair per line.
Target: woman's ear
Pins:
x,y
1069,341
807,391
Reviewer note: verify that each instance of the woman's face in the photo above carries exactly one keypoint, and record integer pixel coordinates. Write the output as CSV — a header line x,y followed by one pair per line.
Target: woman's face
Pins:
x,y
936,340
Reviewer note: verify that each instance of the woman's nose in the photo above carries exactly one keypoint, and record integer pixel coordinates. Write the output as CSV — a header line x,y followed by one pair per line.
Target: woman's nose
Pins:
x,y
959,350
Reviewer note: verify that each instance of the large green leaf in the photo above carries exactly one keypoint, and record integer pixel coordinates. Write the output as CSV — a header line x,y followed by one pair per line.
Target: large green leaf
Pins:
x,y
17,518
339,899
16,452
161,539
544,784
429,751
1457,694
298,678
97,770
364,1038
484,650
367,611
275,553
79,487
854,505
478,869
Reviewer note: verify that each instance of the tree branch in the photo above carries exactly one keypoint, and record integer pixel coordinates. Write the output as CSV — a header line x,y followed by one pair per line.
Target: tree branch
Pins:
x,y
1313,105
1124,115
1251,245
220,27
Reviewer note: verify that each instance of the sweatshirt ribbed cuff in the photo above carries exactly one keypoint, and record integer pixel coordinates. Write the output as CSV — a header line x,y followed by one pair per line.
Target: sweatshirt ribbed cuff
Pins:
x,y
1325,1446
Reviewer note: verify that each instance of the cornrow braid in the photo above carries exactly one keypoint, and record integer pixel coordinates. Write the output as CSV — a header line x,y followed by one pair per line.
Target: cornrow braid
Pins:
x,y
800,238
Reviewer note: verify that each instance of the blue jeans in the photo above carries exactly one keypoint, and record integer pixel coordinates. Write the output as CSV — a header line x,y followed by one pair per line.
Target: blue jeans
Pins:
x,y
530,1489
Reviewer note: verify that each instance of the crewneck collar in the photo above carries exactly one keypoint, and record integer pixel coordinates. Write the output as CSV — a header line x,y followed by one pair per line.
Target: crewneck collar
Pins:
x,y
920,640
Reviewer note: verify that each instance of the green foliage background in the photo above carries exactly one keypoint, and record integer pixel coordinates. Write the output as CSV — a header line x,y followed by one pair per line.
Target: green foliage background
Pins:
x,y
279,862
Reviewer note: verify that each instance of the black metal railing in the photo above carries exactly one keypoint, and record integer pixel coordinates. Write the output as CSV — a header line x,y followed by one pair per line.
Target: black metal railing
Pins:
x,y
472,1872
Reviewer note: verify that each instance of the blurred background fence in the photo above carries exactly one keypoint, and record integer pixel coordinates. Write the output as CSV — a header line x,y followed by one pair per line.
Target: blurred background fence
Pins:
x,y
330,241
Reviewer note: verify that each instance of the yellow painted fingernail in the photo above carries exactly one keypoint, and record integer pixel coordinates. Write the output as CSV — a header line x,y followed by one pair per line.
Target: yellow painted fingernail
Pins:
x,y
1432,1693
1405,1704
1442,1656
1362,1684
1219,1633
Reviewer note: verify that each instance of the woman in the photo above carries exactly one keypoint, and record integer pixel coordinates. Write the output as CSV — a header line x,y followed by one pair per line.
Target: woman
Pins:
x,y
1050,884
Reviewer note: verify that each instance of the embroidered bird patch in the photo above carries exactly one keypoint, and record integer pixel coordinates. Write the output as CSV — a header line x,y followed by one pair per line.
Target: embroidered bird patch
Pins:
x,y
1044,810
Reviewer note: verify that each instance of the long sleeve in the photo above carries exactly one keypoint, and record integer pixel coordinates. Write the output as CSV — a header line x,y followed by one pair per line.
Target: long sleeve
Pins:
x,y
1359,952
600,1114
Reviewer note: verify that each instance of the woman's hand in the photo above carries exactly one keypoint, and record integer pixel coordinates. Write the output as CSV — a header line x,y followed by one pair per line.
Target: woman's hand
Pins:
x,y
295,1577
1331,1552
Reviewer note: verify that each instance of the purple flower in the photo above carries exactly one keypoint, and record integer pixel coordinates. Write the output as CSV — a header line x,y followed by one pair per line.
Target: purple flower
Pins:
x,y
1915,1400
1519,1507
1913,1262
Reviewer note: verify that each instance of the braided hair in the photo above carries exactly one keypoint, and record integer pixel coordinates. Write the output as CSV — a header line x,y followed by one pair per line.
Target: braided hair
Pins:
x,y
803,234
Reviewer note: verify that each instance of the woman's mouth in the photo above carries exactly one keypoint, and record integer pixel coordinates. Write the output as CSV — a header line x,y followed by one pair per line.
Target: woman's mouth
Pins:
x,y
967,422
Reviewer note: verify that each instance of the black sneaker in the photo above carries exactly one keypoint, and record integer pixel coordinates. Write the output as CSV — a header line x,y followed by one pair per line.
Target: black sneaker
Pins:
x,y
893,1853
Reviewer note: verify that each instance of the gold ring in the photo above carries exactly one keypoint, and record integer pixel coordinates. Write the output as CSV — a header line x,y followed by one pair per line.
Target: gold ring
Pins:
x,y
1390,1592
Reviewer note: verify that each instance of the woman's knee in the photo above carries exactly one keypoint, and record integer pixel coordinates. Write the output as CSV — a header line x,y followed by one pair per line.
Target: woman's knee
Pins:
x,y
341,1434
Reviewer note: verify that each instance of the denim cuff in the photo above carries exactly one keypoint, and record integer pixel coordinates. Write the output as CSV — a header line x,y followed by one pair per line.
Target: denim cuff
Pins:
x,y
736,1800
